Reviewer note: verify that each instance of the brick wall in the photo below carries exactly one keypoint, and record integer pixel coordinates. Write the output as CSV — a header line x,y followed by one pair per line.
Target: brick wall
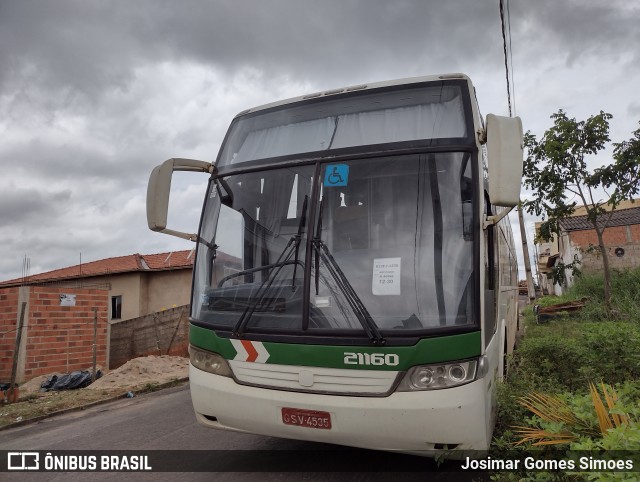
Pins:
x,y
55,338
612,236
625,237
8,317
162,333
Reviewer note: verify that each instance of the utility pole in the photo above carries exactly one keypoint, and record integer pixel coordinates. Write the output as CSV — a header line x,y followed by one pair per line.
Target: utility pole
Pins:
x,y
525,253
537,264
14,368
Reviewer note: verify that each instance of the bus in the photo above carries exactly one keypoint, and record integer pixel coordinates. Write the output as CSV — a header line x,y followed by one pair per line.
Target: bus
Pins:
x,y
355,278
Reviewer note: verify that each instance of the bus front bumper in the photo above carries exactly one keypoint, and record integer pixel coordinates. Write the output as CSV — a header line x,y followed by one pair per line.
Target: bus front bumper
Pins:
x,y
415,422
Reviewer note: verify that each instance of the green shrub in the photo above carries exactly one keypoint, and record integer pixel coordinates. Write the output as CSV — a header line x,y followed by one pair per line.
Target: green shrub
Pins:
x,y
612,351
566,355
625,296
568,423
549,360
562,356
582,422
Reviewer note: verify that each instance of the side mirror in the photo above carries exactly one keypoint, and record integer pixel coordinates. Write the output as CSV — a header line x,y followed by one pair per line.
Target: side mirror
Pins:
x,y
505,152
159,188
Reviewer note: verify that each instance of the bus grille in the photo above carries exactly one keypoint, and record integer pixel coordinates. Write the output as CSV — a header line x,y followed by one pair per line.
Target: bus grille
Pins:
x,y
315,379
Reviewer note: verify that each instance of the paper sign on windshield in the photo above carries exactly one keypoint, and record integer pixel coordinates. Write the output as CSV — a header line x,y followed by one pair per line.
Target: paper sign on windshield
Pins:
x,y
386,276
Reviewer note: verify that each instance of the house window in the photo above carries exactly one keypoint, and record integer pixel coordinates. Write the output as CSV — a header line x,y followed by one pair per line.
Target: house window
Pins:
x,y
116,307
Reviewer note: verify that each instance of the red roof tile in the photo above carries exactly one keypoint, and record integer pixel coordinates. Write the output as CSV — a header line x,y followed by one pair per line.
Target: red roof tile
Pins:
x,y
175,259
120,264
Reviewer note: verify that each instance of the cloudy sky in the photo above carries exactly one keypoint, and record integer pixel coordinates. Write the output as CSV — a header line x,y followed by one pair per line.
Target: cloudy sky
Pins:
x,y
94,94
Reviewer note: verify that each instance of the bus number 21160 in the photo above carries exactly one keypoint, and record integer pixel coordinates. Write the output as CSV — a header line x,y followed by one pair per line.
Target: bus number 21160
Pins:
x,y
376,359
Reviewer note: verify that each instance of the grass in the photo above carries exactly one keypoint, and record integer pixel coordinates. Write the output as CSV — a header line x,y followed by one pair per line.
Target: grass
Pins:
x,y
625,296
154,386
39,404
559,362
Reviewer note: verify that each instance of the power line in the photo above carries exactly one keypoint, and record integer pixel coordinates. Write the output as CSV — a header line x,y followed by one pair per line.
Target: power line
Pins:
x,y
513,82
506,57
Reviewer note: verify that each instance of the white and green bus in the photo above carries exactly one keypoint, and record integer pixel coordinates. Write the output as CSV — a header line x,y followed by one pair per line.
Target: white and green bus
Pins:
x,y
355,278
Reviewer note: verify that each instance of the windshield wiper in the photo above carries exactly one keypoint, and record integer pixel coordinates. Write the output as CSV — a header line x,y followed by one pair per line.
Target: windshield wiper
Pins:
x,y
318,239
301,226
292,247
361,312
356,304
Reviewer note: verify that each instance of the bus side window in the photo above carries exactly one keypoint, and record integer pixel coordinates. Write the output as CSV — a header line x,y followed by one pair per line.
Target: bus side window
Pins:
x,y
231,242
490,270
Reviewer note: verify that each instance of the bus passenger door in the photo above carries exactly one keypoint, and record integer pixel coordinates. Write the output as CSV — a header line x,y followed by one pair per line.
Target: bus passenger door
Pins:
x,y
491,336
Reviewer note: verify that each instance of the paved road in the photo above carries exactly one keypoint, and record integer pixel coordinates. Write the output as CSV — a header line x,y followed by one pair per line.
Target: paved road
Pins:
x,y
164,421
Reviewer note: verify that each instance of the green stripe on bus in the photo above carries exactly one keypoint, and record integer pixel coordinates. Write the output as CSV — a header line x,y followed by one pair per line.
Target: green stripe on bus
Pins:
x,y
427,350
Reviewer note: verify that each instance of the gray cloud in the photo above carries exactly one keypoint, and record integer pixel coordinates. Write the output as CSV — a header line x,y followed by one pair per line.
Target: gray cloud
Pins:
x,y
27,204
69,163
89,48
576,29
634,110
94,93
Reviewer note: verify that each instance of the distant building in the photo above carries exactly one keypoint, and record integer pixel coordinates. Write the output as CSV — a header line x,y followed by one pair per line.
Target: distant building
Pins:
x,y
137,284
578,238
57,312
547,255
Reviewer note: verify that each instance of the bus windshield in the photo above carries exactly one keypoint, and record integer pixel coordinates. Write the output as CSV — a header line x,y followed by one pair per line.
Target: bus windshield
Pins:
x,y
364,118
388,247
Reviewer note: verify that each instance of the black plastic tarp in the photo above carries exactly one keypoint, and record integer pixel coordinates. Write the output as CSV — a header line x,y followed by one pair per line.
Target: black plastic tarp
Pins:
x,y
69,381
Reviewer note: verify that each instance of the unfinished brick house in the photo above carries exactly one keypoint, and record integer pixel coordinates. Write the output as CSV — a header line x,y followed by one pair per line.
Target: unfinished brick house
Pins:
x,y
577,236
57,329
137,284
129,293
57,335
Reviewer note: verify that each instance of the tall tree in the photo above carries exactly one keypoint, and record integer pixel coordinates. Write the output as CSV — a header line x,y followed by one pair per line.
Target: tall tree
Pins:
x,y
625,177
556,172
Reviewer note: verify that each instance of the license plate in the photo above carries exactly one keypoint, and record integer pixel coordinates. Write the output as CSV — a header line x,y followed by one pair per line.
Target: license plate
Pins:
x,y
306,418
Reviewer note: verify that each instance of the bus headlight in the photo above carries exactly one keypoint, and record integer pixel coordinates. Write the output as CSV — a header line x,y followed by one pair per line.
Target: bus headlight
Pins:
x,y
442,375
209,362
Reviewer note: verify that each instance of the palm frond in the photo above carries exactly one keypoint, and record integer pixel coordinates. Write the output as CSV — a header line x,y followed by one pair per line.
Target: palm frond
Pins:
x,y
541,437
601,412
569,427
549,408
611,397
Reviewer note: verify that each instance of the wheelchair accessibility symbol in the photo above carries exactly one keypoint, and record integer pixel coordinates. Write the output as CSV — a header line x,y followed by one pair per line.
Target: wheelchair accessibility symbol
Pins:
x,y
336,175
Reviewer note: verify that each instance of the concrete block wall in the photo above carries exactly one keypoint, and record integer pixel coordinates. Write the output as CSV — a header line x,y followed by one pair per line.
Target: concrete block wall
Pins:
x,y
55,338
162,333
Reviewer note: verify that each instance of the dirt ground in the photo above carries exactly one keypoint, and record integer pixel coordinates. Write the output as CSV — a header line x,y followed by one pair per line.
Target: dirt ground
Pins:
x,y
139,374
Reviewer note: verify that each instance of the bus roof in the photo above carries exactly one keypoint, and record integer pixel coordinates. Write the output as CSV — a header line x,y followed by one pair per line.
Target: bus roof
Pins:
x,y
353,88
